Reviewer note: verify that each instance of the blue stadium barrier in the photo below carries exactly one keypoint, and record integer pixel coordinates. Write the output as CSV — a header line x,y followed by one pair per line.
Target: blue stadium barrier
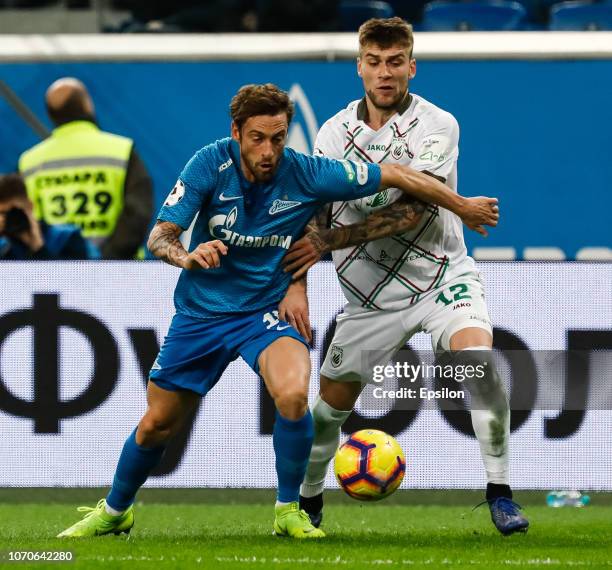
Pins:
x,y
473,16
581,16
354,13
518,142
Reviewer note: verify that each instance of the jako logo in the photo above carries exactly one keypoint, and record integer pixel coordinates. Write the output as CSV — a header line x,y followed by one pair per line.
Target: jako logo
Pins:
x,y
220,226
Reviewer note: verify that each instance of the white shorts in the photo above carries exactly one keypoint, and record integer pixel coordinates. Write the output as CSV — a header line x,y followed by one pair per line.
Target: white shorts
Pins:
x,y
442,312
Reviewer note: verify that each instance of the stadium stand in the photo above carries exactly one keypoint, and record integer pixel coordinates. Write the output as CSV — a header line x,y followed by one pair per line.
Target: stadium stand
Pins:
x,y
353,14
231,16
473,16
581,16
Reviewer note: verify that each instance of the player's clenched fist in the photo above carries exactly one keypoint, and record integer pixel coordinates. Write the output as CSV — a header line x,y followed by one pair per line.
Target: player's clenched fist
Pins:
x,y
479,212
206,255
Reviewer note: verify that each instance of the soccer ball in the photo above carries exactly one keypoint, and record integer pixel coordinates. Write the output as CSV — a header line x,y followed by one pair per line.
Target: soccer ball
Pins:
x,y
370,465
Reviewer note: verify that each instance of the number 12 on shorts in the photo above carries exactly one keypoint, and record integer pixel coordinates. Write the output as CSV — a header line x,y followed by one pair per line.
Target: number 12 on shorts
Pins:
x,y
457,292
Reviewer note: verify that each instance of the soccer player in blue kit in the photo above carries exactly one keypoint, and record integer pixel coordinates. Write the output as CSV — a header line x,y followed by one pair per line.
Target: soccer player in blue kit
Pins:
x,y
253,198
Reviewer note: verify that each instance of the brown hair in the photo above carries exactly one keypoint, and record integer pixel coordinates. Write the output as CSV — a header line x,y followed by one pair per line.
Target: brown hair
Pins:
x,y
12,186
252,100
386,32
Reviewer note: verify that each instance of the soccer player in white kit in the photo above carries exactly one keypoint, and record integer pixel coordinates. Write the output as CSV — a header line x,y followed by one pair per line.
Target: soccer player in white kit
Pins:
x,y
403,266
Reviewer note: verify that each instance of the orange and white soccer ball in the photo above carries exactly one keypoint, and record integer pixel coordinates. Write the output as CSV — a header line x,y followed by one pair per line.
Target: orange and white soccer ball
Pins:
x,y
370,465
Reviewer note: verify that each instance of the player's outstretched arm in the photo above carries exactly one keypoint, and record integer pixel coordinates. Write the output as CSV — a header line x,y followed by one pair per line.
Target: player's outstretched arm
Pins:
x,y
164,244
475,212
401,216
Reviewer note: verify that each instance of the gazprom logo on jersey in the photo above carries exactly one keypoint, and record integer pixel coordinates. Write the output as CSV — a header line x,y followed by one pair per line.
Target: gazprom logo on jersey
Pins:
x,y
220,227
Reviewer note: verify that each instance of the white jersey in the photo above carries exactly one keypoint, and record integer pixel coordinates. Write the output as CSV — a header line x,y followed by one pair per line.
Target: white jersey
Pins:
x,y
393,272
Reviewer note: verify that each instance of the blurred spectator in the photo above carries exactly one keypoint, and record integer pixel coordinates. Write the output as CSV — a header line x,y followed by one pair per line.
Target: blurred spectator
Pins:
x,y
23,237
411,11
84,176
230,16
297,15
187,16
27,3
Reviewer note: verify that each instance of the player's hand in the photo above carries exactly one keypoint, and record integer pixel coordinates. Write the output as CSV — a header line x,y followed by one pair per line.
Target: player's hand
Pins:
x,y
294,309
304,253
206,255
479,212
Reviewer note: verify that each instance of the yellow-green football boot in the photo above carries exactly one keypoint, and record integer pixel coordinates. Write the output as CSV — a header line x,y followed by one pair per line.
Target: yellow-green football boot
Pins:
x,y
295,523
98,522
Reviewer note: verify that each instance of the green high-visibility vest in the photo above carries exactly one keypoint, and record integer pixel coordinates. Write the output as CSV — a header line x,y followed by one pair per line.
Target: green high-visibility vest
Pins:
x,y
77,176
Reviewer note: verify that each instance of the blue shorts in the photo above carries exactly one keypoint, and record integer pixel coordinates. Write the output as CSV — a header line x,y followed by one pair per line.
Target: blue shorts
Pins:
x,y
196,352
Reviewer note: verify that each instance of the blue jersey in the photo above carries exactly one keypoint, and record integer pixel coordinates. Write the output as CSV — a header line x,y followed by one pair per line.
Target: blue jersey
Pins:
x,y
257,221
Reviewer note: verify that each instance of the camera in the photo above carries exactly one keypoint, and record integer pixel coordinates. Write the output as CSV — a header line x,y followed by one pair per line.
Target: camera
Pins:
x,y
16,222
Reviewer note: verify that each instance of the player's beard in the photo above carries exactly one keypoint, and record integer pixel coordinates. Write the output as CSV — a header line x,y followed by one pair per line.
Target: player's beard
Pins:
x,y
386,105
259,174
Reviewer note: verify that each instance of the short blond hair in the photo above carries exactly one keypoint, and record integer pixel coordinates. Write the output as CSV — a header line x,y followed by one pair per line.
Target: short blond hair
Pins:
x,y
386,32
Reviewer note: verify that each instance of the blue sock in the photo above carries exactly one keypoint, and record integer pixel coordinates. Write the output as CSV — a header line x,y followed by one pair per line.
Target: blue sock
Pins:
x,y
292,442
135,464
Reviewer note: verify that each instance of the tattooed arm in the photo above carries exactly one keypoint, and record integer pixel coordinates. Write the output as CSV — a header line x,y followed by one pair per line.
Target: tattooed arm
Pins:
x,y
400,216
164,244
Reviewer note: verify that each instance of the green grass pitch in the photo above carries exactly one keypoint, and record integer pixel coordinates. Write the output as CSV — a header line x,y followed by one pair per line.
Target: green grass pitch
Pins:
x,y
181,529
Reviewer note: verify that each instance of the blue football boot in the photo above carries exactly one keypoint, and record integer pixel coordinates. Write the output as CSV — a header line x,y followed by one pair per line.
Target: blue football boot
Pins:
x,y
506,516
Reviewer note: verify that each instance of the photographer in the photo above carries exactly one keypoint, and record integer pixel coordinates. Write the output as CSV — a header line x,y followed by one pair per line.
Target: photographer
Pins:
x,y
23,237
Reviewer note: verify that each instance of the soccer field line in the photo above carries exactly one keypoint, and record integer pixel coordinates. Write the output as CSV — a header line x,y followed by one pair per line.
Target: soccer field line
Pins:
x,y
338,560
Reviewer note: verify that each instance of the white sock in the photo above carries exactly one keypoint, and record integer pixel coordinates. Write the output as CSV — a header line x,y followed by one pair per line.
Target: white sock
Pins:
x,y
327,423
492,431
491,423
112,511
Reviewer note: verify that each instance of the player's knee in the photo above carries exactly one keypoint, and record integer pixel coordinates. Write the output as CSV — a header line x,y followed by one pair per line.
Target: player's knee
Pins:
x,y
292,403
155,430
340,395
